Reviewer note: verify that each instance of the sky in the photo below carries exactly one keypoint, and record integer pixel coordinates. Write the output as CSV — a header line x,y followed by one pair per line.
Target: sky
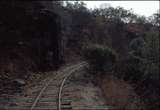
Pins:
x,y
146,8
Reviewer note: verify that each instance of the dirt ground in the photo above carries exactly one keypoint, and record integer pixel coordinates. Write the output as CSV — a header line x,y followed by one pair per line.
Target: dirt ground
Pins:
x,y
85,95
120,94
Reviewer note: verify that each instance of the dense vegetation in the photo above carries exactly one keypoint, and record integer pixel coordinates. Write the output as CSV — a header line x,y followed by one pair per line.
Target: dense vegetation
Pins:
x,y
39,35
101,59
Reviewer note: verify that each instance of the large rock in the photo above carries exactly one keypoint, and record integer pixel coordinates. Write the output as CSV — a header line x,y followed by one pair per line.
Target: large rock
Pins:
x,y
19,82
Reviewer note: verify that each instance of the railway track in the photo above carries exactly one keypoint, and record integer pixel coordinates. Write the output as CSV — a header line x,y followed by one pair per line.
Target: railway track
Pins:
x,y
54,94
50,94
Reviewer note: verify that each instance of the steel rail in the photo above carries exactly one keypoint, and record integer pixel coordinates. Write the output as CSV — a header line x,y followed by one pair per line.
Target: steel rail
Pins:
x,y
75,67
63,82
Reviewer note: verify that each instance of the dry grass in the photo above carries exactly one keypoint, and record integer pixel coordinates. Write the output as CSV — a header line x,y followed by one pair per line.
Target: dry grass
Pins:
x,y
120,94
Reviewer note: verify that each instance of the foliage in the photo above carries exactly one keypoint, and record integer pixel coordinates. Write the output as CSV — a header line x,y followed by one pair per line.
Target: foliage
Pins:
x,y
143,67
147,51
100,58
151,69
155,18
115,14
141,20
152,52
137,46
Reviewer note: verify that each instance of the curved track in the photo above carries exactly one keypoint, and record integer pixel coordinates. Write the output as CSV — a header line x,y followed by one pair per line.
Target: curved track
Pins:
x,y
64,76
50,95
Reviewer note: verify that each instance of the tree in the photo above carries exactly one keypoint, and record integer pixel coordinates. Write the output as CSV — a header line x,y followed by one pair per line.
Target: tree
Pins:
x,y
155,19
80,20
141,20
101,59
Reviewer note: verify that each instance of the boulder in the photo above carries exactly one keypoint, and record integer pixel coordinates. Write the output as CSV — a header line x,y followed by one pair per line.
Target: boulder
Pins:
x,y
19,82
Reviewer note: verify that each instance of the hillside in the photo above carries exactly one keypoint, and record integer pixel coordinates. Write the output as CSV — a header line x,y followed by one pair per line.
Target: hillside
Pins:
x,y
120,47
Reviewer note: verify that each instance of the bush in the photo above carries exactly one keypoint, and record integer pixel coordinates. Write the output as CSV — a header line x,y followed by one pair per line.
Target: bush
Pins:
x,y
142,68
101,59
133,69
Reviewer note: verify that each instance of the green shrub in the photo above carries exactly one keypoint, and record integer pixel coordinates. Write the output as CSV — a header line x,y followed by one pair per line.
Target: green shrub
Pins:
x,y
101,59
